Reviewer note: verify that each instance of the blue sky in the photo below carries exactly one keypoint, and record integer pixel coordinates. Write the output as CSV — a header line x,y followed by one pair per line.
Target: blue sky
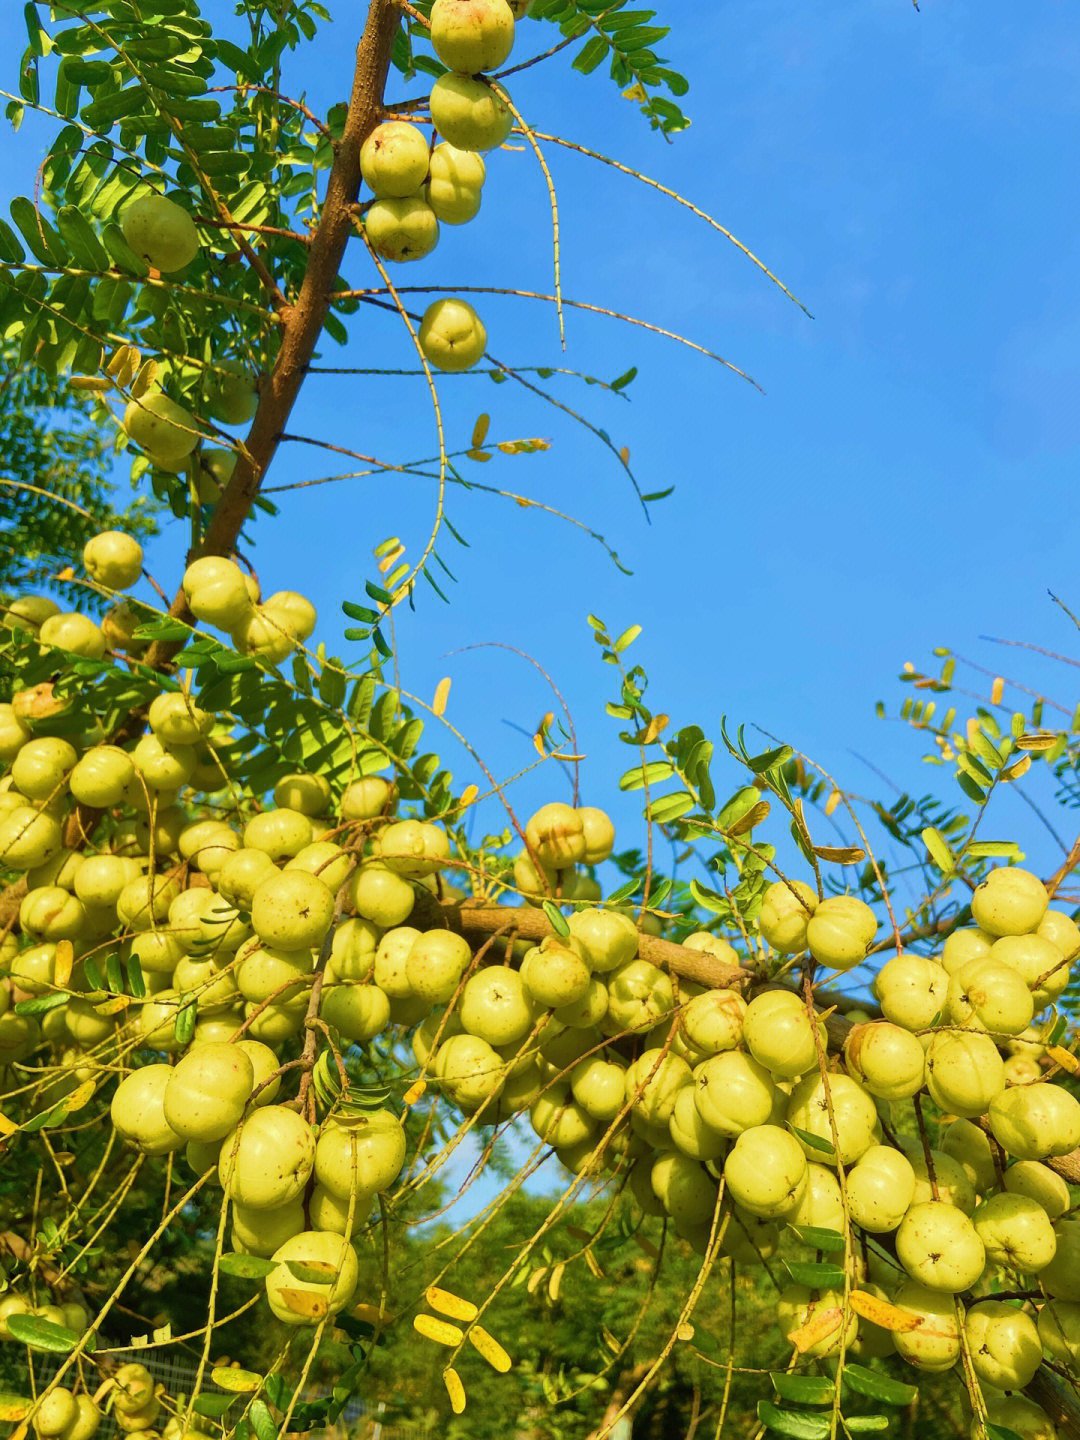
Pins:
x,y
906,480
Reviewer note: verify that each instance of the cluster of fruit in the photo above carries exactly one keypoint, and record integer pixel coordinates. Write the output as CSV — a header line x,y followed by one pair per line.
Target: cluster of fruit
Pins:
x,y
129,1395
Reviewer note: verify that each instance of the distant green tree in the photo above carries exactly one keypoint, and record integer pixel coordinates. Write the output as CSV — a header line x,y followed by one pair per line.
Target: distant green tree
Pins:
x,y
56,485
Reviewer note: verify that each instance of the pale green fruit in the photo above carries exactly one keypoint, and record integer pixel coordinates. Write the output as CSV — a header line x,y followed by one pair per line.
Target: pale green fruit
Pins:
x,y
911,991
280,833
734,1093
969,1145
1018,1414
215,471
328,1212
216,591
74,633
394,159
305,792
138,1110
100,777
12,1305
292,910
953,1185
639,994
263,1064
656,1137
713,1021
88,1416
822,1205
163,767
609,939
261,1232
840,932
101,879
209,1088
853,1114
299,1300
1061,1278
352,951
241,874
414,848
688,1130
1059,1331
469,113
786,909
294,612
1004,1344
599,1087
452,335
747,1239
13,733
1022,1070
207,845
938,1246
161,232
359,1012
328,861
134,1389
797,1307
217,1028
176,720
436,1027
1010,901
470,1071
377,894
157,951
452,202
765,1171
28,838
29,612
118,626
154,1023
51,913
652,1083
113,559
964,1072
780,1035
435,964
886,1060
462,169
987,995
555,834
496,1006
367,799
33,969
1016,1232
555,972
1062,931
279,1020
143,798
640,1186
472,35
20,1036
363,1153
686,1190
1041,1184
60,870
597,825
935,1344
588,1010
40,769
560,1120
880,1189
402,230
1032,1122
55,1413
391,961
266,1161
521,1089
1037,961
532,884
165,430
231,396
963,946
84,1023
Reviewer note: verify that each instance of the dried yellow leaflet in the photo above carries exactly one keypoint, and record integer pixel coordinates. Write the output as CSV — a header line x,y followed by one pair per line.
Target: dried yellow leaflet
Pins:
x,y
448,1304
441,1331
455,1389
487,1346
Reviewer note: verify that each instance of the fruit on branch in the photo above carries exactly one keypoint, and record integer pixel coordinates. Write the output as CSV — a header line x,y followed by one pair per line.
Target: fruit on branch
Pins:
x,y
1019,1415
472,35
938,1246
1016,1232
798,1307
470,113
358,1153
880,1189
840,932
454,188
394,160
766,1172
161,232
1004,1344
934,1345
231,394
786,909
41,768
29,612
137,1109
403,229
101,776
266,1161
452,335
315,1275
964,1072
262,1232
887,1061
1010,901
56,1414
990,996
779,1033
1039,1183
911,990
165,430
113,559
1031,1122
216,591
75,633
209,1088
414,848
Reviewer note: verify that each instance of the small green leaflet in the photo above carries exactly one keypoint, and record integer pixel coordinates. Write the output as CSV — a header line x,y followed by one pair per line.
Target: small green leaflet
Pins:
x,y
246,1267
826,1240
42,1334
558,919
814,1141
803,1389
799,1424
877,1386
818,1274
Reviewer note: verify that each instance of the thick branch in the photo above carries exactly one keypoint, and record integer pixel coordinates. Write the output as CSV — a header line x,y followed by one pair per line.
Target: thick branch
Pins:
x,y
303,321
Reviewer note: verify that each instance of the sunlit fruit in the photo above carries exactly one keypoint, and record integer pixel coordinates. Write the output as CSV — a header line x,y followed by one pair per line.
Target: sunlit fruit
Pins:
x,y
113,559
472,35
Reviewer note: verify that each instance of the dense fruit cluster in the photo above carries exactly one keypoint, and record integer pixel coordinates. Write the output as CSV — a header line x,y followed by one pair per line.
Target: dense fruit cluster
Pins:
x,y
924,1151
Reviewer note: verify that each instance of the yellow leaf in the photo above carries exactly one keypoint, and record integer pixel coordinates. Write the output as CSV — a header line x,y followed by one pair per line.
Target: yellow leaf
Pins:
x,y
997,690
240,1381
535,1279
840,854
656,725
478,454
308,1303
113,1006
449,1304
65,959
442,694
67,573
1037,740
80,1096
822,1325
441,1331
832,802
487,1346
313,1272
1065,1058
594,1265
624,454
555,1282
14,1407
1015,770
372,1315
468,795
480,430
754,816
7,1127
89,382
880,1312
452,1380
414,1092
148,371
